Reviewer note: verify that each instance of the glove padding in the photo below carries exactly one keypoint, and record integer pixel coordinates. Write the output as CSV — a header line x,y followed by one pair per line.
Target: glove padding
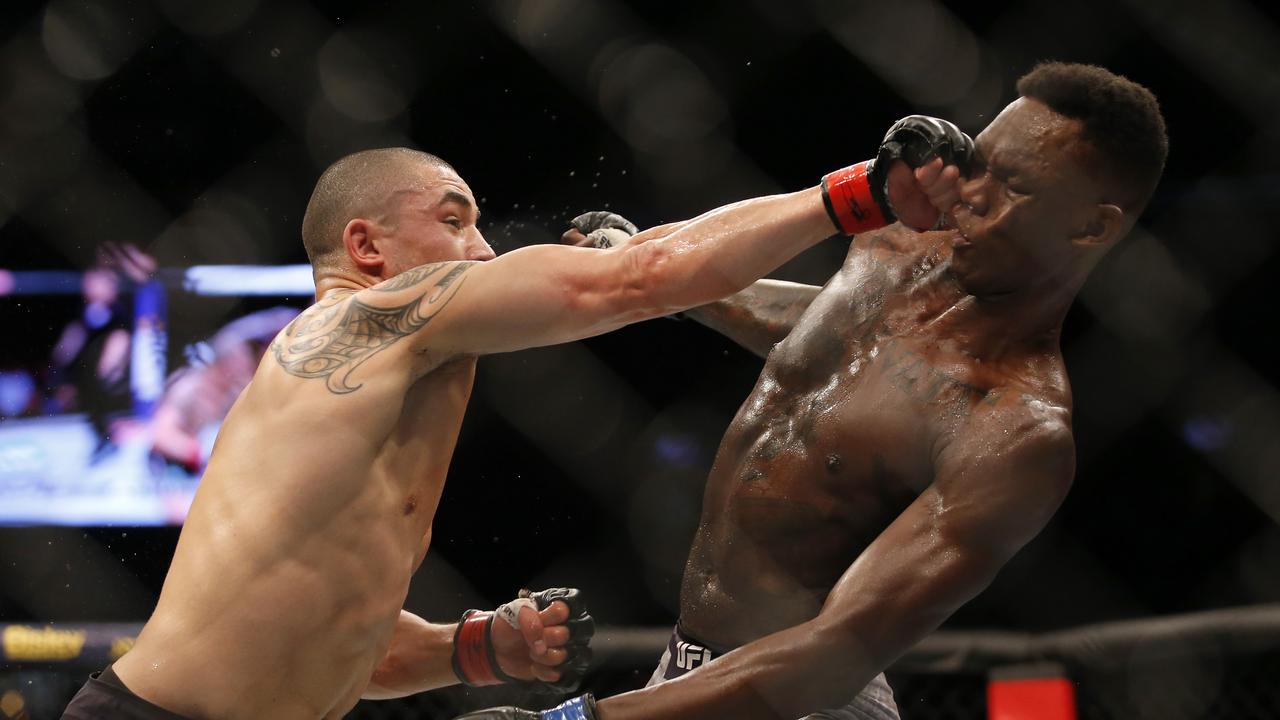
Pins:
x,y
603,228
917,139
579,708
581,626
857,197
476,663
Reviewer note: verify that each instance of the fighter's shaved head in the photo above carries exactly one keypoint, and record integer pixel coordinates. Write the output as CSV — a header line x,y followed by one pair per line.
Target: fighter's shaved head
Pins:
x,y
362,184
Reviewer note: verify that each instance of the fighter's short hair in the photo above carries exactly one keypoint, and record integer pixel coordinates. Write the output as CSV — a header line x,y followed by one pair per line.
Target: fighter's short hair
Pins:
x,y
358,185
1121,121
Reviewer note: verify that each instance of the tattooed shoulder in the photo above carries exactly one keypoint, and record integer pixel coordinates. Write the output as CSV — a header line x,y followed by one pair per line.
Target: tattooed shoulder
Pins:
x,y
331,341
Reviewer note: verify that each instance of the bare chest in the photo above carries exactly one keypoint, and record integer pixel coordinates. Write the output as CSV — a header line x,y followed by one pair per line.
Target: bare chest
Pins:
x,y
843,427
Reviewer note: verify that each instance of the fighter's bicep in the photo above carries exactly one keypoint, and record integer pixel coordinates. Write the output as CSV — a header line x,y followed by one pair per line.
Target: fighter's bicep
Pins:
x,y
538,295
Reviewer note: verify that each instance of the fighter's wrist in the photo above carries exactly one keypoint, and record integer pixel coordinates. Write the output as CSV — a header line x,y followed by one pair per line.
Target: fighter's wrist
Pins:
x,y
474,661
855,200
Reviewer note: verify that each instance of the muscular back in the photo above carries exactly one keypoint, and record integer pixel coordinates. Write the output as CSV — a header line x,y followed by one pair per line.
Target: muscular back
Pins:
x,y
843,430
315,510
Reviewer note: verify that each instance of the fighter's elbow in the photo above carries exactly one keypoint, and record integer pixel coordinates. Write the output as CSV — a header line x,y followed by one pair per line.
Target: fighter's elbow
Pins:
x,y
955,566
641,286
912,602
670,279
386,678
836,664
649,271
374,691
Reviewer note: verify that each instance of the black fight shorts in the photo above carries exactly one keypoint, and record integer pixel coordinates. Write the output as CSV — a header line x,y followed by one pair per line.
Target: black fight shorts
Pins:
x,y
104,697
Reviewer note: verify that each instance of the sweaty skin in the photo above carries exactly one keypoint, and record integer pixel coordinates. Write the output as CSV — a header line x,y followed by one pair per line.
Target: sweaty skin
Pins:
x,y
285,591
296,556
910,432
841,433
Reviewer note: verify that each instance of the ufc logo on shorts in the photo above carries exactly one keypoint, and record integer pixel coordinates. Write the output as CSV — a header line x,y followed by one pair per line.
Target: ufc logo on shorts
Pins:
x,y
690,656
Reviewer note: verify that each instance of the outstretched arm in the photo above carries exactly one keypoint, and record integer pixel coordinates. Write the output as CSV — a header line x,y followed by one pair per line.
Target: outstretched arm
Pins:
x,y
991,495
546,294
543,294
756,318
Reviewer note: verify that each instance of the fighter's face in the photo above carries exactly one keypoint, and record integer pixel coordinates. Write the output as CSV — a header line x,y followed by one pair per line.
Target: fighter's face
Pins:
x,y
433,222
1028,195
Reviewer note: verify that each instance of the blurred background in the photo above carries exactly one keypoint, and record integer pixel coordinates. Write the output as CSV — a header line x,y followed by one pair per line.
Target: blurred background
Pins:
x,y
156,157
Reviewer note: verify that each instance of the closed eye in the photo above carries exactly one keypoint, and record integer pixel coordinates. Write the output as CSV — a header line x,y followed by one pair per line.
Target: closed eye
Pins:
x,y
456,222
1010,182
1019,187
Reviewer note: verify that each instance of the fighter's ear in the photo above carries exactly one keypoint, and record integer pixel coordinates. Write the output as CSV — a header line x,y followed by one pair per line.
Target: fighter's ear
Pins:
x,y
1104,226
358,239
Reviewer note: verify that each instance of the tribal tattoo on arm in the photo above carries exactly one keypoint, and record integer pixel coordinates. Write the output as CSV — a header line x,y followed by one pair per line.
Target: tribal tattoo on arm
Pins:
x,y
332,342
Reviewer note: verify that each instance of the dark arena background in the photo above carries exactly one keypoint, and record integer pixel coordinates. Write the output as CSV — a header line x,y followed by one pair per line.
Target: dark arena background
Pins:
x,y
156,158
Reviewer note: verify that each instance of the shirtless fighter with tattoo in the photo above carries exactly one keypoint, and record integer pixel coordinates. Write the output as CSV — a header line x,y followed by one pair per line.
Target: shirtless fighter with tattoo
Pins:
x,y
911,429
284,596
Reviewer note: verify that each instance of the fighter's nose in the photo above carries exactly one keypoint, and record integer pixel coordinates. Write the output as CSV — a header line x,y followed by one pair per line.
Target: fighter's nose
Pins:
x,y
480,250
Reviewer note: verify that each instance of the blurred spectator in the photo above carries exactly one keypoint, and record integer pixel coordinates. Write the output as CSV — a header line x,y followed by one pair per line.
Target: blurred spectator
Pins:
x,y
199,394
17,393
89,366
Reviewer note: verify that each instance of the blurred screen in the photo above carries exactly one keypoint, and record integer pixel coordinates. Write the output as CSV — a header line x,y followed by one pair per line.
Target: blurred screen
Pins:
x,y
109,408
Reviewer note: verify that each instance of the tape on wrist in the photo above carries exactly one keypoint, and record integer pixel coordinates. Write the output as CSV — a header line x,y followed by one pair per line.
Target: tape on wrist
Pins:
x,y
473,659
846,193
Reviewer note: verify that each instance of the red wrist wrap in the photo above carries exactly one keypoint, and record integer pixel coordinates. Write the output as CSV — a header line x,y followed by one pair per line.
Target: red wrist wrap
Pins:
x,y
471,650
847,195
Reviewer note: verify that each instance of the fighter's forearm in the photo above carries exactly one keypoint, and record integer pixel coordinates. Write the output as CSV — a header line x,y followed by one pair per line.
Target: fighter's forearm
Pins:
x,y
723,251
772,678
883,606
418,659
760,316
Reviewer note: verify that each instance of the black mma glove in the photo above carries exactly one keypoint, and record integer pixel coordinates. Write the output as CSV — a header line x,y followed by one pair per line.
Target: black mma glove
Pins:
x,y
857,197
476,664
603,228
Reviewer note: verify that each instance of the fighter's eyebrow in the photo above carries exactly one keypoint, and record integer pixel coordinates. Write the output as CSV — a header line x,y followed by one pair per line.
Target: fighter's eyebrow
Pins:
x,y
457,197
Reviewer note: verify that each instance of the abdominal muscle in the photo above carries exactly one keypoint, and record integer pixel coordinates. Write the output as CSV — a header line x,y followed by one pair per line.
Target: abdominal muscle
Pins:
x,y
296,556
